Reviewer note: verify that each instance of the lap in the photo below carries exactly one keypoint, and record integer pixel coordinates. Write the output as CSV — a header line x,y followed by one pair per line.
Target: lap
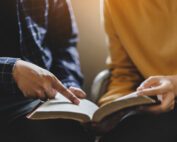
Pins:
x,y
47,131
145,128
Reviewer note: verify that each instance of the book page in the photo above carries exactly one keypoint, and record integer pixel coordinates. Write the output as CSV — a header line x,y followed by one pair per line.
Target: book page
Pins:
x,y
62,104
88,106
132,95
125,102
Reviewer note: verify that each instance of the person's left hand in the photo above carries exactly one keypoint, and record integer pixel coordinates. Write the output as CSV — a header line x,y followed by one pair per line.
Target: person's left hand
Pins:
x,y
78,92
163,87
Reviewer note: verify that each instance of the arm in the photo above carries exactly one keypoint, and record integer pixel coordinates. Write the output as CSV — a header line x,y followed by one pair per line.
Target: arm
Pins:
x,y
63,39
33,81
124,75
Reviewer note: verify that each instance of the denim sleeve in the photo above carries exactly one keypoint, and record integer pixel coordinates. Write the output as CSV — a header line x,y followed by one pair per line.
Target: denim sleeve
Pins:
x,y
7,83
63,38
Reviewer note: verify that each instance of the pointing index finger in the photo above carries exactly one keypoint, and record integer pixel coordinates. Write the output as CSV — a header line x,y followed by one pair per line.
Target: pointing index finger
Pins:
x,y
66,92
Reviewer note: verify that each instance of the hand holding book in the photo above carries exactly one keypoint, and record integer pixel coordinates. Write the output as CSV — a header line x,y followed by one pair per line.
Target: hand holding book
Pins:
x,y
104,118
163,87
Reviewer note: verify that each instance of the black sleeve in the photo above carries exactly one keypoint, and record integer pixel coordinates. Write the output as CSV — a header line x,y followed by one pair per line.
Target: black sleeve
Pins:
x,y
7,83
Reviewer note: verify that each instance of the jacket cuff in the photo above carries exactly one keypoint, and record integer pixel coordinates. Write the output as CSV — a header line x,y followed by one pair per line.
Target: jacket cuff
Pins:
x,y
6,77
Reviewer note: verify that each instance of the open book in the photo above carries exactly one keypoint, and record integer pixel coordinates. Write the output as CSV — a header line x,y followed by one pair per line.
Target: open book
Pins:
x,y
88,112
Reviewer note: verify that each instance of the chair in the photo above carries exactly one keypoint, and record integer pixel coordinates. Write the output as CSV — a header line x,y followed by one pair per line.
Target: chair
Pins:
x,y
99,85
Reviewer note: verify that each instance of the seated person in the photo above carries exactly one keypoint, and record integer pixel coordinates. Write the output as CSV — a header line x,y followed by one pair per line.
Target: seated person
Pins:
x,y
142,42
38,57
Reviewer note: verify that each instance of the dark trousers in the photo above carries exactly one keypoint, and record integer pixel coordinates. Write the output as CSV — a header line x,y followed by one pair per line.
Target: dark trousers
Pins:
x,y
145,128
24,130
138,128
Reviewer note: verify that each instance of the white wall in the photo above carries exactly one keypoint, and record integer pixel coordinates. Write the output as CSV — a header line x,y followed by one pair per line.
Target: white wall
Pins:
x,y
92,46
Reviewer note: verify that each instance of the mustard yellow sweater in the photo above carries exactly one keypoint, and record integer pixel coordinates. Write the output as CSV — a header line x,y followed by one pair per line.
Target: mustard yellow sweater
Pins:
x,y
142,42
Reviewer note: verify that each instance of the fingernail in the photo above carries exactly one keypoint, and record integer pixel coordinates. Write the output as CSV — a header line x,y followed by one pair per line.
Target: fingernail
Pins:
x,y
76,101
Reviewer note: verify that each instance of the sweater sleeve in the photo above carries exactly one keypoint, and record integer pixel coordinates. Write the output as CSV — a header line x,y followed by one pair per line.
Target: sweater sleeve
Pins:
x,y
124,75
7,83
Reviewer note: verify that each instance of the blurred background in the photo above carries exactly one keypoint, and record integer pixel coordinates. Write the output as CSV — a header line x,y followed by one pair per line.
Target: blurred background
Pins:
x,y
92,45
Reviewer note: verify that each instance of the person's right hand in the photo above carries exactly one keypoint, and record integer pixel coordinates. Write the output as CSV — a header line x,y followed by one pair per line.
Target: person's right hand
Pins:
x,y
35,82
164,87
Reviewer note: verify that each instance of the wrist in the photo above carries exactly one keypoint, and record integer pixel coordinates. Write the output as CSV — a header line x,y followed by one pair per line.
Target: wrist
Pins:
x,y
15,69
173,79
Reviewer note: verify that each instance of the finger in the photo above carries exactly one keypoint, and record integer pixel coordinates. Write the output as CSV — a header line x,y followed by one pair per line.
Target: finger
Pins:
x,y
67,93
78,92
50,92
172,107
40,95
158,109
160,98
163,88
168,101
148,83
167,104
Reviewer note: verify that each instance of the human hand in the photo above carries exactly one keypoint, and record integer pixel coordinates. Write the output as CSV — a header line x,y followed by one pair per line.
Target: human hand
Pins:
x,y
35,82
78,92
164,88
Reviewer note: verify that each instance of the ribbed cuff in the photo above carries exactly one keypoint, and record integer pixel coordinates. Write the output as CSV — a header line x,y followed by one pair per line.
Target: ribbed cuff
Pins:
x,y
6,76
